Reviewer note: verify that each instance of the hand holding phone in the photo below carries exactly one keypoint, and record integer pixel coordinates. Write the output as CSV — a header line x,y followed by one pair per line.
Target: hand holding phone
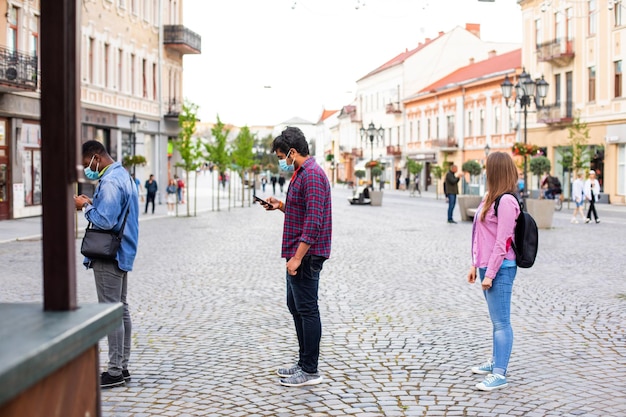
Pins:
x,y
260,200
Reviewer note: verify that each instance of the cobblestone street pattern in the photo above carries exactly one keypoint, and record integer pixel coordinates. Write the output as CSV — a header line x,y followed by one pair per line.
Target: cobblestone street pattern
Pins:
x,y
402,328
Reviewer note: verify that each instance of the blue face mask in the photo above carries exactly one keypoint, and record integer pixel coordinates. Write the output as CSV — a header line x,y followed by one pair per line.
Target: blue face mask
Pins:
x,y
282,163
91,174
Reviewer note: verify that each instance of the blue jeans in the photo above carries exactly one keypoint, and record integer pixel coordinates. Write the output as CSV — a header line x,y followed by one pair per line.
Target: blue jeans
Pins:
x,y
499,304
451,204
111,286
302,303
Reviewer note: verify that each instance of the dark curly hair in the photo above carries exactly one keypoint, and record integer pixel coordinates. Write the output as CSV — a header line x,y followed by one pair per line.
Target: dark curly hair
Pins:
x,y
291,137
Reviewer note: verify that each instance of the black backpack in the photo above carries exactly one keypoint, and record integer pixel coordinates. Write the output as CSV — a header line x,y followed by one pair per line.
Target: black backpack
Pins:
x,y
526,241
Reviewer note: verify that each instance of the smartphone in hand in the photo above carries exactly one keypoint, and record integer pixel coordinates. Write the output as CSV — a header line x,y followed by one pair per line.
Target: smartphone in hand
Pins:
x,y
260,200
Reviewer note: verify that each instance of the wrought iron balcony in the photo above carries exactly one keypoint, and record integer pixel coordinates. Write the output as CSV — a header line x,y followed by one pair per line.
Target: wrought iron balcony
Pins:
x,y
444,143
357,152
173,107
183,40
558,113
392,108
558,51
18,70
394,150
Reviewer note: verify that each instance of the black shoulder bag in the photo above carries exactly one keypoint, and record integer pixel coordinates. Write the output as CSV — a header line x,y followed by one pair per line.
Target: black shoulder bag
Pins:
x,y
103,244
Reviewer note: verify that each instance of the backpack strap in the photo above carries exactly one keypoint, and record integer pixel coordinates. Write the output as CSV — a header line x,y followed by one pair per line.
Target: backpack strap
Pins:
x,y
497,203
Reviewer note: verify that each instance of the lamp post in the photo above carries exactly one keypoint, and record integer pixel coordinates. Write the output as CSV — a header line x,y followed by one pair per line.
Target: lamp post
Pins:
x,y
134,125
487,150
372,134
527,91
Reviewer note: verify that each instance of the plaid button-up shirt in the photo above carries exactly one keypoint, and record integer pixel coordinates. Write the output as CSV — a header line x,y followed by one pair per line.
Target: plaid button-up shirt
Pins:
x,y
308,211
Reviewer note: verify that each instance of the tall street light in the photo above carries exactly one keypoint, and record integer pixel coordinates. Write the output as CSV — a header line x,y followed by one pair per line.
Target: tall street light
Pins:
x,y
134,125
372,134
527,92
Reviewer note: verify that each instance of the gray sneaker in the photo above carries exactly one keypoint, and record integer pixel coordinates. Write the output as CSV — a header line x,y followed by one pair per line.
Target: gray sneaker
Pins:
x,y
301,378
287,372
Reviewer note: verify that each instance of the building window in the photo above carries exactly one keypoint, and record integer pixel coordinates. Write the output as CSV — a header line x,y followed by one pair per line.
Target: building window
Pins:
x,y
428,128
437,135
569,30
134,8
512,121
34,36
417,133
621,169
481,122
132,74
559,29
120,69
496,120
144,77
592,83
538,32
593,17
12,37
470,124
146,10
90,63
451,126
617,13
557,89
107,53
618,78
154,81
121,4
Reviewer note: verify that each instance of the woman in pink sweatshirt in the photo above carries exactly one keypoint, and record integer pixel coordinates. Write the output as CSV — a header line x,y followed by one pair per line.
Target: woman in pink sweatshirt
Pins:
x,y
493,256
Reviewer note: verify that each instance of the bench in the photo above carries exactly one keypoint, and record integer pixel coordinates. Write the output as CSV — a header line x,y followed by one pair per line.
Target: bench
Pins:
x,y
468,205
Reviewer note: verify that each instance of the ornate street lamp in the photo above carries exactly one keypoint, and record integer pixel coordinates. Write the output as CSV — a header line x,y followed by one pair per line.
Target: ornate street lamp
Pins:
x,y
527,92
134,126
372,134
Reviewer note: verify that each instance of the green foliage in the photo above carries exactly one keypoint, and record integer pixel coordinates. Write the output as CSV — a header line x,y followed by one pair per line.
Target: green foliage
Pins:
x,y
473,167
130,161
540,165
413,166
377,171
436,171
217,151
359,173
577,155
188,147
330,157
242,149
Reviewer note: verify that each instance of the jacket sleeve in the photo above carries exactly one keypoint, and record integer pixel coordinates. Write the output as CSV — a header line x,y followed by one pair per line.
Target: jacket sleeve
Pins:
x,y
508,210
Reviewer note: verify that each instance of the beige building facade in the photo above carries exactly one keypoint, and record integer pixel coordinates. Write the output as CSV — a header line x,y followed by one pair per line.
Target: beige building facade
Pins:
x,y
577,46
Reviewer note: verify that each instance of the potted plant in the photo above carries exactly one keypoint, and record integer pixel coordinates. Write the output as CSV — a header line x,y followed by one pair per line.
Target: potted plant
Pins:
x,y
541,209
376,196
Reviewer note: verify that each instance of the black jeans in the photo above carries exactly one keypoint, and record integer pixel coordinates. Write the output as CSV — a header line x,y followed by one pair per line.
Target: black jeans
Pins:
x,y
302,291
150,199
592,209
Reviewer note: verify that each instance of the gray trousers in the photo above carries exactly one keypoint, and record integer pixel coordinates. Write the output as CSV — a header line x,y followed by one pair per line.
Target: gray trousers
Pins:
x,y
111,286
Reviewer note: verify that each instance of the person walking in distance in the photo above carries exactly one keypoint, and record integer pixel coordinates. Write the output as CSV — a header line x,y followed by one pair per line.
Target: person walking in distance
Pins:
x,y
578,196
114,197
493,256
592,194
307,234
151,190
451,187
171,191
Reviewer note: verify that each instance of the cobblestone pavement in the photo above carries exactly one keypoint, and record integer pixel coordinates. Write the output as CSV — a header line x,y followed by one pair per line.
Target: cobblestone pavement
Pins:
x,y
401,326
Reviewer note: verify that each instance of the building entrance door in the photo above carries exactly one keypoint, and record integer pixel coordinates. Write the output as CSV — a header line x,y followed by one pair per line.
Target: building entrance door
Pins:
x,y
4,188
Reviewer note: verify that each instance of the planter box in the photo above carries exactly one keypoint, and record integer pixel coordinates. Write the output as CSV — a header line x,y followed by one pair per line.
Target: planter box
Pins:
x,y
542,211
468,205
376,198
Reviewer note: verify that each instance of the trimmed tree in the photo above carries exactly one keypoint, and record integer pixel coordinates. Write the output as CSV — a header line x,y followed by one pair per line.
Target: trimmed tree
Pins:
x,y
187,146
217,152
243,157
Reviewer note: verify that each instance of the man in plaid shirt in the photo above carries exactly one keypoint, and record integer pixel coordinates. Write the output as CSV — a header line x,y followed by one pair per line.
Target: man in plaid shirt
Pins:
x,y
306,244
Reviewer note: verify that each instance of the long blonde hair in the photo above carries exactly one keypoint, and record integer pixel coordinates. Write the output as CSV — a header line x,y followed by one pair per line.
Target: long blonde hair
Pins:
x,y
501,178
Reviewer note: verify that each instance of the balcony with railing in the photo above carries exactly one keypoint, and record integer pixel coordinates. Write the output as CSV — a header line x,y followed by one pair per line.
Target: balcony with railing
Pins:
x,y
18,71
357,152
393,108
183,40
173,107
394,150
444,143
557,51
556,114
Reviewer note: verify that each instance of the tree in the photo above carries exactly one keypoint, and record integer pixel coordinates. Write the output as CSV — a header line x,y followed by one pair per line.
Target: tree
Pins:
x,y
187,146
243,157
217,152
413,166
473,167
577,156
437,173
540,165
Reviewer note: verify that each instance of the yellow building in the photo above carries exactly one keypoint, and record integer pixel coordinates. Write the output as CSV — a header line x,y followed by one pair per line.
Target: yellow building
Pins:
x,y
576,46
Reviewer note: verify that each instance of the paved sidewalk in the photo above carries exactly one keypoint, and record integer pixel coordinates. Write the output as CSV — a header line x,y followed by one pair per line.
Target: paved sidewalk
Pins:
x,y
402,328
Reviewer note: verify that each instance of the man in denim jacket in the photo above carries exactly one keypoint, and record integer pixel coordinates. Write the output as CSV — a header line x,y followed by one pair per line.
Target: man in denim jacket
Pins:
x,y
115,194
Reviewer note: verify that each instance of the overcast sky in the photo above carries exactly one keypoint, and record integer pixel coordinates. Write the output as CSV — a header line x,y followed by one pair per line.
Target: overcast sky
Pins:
x,y
266,61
